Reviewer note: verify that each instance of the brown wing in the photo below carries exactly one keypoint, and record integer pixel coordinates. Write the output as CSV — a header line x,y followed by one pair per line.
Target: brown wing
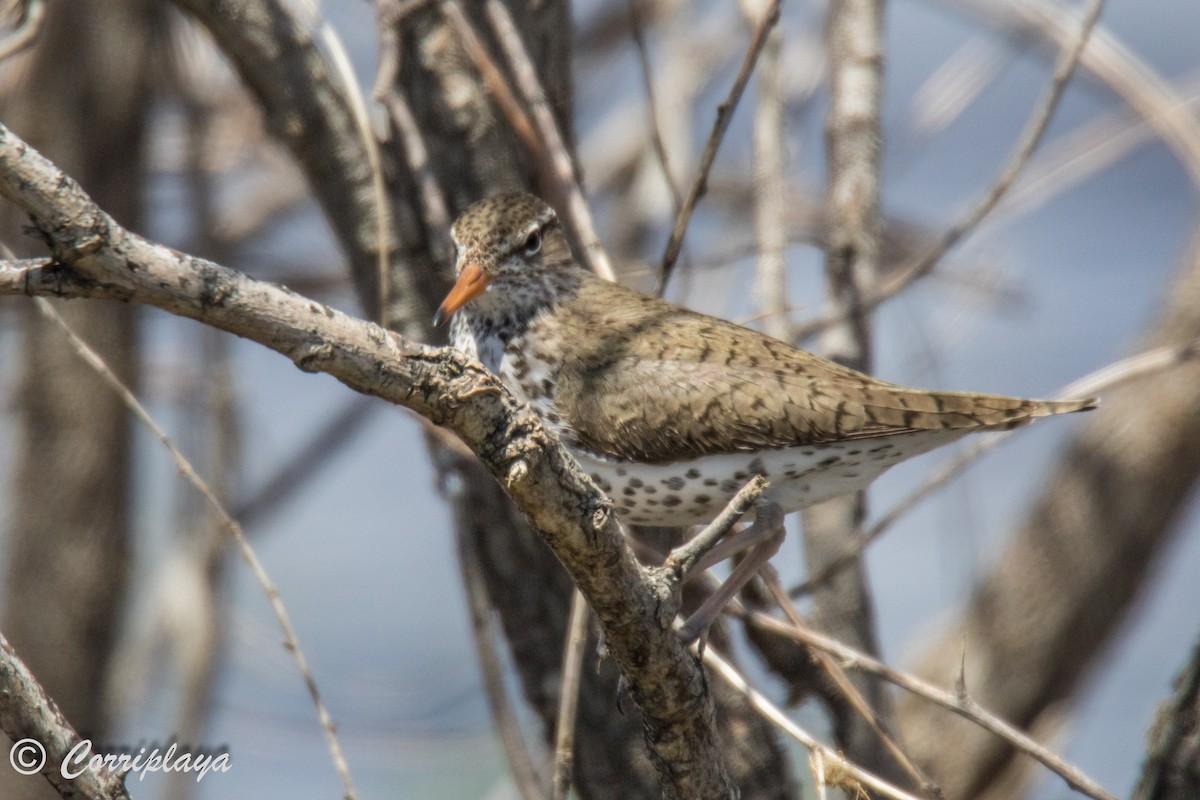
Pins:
x,y
660,383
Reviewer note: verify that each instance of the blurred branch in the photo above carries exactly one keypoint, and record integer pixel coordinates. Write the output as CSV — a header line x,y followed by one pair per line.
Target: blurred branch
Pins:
x,y
638,31
1030,138
304,107
856,777
855,51
770,188
508,728
1170,769
552,142
314,455
568,697
769,19
33,14
1106,58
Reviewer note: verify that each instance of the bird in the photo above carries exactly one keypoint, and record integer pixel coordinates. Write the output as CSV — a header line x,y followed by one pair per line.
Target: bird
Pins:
x,y
671,411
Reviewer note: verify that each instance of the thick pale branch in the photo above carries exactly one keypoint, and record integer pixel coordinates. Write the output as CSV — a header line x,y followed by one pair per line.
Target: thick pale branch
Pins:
x,y
34,723
573,517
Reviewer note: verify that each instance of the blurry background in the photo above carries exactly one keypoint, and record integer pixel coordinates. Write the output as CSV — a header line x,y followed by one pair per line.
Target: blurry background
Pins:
x,y
147,628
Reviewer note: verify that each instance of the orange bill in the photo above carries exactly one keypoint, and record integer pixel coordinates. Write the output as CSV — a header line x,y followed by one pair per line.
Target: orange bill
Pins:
x,y
471,283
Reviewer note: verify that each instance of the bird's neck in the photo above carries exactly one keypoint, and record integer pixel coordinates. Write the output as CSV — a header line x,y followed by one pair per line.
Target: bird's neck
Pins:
x,y
508,308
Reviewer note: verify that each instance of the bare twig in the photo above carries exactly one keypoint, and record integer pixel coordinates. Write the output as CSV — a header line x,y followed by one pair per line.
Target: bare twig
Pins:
x,y
848,689
683,558
294,476
724,115
508,728
724,670
1031,137
637,29
852,659
568,697
357,103
290,640
566,179
497,84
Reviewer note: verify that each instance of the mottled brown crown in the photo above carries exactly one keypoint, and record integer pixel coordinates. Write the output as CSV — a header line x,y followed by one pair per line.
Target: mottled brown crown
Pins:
x,y
494,229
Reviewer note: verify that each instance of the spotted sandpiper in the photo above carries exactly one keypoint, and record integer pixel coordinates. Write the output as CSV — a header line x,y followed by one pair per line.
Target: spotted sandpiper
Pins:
x,y
672,411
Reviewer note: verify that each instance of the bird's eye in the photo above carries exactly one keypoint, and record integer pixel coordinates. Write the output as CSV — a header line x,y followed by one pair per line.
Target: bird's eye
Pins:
x,y
533,243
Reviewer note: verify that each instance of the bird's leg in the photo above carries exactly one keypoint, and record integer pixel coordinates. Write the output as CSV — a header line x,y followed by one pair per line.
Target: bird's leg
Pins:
x,y
767,518
763,538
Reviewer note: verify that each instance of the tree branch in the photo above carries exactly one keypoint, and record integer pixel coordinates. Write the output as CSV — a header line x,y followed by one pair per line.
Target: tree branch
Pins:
x,y
27,713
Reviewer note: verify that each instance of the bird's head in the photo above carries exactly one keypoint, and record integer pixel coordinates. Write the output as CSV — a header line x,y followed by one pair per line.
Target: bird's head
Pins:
x,y
501,242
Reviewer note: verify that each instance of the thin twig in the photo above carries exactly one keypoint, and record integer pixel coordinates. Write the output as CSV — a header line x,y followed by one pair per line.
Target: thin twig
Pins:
x,y
508,727
546,126
356,100
683,558
568,697
724,116
290,641
306,463
853,659
412,142
835,672
724,670
1104,379
497,84
433,203
1032,136
638,31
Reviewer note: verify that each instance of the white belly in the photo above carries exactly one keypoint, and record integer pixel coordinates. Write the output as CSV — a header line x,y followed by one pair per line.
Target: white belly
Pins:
x,y
695,491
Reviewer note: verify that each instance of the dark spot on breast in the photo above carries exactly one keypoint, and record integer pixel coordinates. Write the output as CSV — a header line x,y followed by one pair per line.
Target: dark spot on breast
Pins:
x,y
674,484
693,473
672,500
635,483
702,499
